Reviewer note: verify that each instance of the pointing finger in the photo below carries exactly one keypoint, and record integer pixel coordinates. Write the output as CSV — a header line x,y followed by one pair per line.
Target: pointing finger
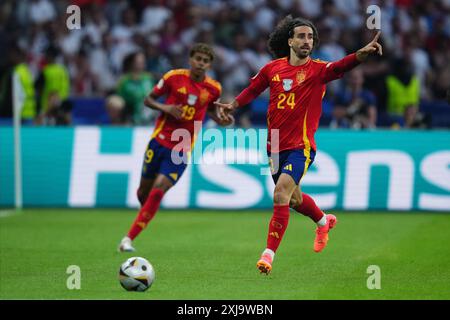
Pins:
x,y
375,39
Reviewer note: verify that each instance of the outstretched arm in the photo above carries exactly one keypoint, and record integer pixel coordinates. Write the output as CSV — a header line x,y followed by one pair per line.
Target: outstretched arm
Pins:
x,y
258,84
335,70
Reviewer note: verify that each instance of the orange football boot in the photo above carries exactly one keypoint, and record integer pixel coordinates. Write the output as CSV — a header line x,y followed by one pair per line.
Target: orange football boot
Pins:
x,y
265,264
322,233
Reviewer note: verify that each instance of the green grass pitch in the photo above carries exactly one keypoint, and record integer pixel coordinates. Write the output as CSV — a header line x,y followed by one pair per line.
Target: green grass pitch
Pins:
x,y
212,255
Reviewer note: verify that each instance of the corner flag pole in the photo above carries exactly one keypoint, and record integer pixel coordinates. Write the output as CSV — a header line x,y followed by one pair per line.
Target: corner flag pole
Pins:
x,y
18,99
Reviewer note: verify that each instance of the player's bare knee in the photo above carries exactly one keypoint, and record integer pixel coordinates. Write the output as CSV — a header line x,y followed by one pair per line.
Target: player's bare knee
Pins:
x,y
163,185
280,196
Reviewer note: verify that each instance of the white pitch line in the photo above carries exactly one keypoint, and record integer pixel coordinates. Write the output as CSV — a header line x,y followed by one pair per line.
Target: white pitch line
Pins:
x,y
9,213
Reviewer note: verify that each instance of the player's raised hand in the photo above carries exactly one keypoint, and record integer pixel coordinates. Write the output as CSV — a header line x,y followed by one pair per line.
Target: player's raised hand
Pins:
x,y
372,47
175,110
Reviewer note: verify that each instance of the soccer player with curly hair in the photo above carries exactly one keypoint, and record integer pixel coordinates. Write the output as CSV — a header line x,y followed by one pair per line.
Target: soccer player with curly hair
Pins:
x,y
297,85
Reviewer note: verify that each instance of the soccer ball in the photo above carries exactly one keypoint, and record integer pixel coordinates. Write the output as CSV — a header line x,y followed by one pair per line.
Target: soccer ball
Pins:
x,y
136,274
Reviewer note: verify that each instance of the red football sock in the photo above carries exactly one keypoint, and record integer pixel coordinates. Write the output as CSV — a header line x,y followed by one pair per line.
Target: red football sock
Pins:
x,y
277,226
309,208
146,213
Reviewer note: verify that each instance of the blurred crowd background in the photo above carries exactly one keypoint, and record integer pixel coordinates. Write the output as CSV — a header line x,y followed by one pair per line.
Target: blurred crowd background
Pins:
x,y
100,73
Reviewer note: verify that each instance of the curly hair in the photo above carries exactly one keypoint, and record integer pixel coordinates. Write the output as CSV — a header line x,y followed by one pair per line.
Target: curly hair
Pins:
x,y
202,48
278,39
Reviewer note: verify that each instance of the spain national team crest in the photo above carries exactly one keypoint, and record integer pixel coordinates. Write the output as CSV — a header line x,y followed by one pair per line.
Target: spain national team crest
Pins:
x,y
287,84
301,76
204,96
192,99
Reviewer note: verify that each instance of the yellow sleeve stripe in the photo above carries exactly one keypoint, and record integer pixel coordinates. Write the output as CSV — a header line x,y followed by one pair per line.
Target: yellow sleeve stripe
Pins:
x,y
214,83
320,61
176,72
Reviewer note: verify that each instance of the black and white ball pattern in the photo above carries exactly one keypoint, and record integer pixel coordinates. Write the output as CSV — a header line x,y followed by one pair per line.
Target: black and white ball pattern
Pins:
x,y
136,274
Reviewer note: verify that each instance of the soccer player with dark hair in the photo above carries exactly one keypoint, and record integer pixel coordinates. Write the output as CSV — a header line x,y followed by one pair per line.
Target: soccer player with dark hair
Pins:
x,y
190,94
297,85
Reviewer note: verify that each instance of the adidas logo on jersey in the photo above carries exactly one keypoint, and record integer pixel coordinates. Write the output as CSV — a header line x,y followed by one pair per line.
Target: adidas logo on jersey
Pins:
x,y
276,78
182,90
288,167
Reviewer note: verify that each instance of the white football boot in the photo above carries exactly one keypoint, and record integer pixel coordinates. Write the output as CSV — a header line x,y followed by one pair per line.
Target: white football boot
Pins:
x,y
125,245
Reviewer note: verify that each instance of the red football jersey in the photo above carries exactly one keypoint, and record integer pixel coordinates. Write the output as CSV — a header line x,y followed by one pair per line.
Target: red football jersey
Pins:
x,y
295,103
196,98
